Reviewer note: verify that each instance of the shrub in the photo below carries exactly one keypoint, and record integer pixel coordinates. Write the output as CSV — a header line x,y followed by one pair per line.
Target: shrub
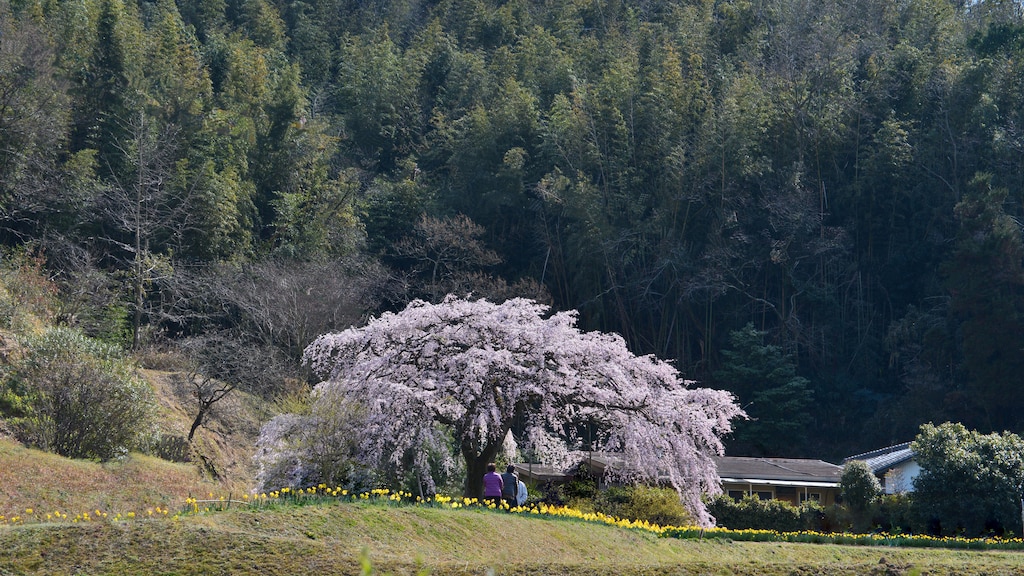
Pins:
x,y
895,514
553,495
583,485
171,447
889,513
657,505
77,397
27,297
860,490
660,506
969,482
756,514
858,485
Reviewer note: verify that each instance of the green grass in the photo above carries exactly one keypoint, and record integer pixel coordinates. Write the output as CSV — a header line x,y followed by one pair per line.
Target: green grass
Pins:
x,y
330,539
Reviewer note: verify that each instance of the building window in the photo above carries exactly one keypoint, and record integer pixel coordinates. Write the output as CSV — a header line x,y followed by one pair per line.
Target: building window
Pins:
x,y
813,496
737,495
763,495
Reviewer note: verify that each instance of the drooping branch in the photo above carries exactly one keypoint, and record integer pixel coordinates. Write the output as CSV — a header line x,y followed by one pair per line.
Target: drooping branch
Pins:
x,y
469,368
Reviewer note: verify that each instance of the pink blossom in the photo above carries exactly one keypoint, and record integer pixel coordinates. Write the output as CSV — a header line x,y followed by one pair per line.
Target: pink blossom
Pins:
x,y
464,372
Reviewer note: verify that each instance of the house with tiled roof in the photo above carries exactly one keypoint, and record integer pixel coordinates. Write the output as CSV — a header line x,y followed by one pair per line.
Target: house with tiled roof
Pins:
x,y
894,466
792,479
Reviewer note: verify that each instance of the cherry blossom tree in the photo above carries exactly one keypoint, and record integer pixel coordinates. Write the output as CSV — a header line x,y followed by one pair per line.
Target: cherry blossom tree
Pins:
x,y
463,372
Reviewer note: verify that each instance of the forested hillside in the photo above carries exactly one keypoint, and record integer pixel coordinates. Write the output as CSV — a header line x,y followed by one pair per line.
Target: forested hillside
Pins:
x,y
815,204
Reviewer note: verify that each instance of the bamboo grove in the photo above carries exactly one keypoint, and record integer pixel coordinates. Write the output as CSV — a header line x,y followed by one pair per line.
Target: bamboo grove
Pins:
x,y
813,204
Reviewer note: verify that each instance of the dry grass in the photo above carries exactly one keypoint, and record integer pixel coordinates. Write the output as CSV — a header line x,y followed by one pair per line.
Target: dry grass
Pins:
x,y
224,445
30,478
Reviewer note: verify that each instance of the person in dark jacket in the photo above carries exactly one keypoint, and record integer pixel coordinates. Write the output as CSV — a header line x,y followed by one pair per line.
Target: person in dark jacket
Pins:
x,y
510,486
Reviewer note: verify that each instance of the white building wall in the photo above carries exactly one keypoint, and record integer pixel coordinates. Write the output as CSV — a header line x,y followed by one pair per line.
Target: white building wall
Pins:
x,y
900,478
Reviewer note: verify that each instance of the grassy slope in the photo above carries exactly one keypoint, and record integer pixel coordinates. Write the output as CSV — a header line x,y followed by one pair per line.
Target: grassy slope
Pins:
x,y
328,540
47,482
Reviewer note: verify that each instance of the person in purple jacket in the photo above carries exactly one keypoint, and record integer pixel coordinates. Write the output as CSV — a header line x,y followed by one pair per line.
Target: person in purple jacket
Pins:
x,y
492,485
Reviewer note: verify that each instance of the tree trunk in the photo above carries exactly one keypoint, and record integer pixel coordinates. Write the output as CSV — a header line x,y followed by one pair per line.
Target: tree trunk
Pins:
x,y
476,467
197,422
475,470
138,289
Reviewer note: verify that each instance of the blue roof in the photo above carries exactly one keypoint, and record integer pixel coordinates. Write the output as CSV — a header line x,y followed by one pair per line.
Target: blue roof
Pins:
x,y
883,459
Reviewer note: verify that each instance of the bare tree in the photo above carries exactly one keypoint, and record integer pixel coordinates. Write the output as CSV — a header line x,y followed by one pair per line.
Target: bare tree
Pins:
x,y
221,363
144,211
450,258
446,249
283,304
256,320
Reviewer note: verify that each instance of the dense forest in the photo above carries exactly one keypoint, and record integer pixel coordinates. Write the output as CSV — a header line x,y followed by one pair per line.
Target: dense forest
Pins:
x,y
814,204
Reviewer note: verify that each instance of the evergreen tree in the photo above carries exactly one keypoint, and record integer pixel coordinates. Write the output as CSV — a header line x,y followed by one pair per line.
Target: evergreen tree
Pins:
x,y
970,483
776,400
986,282
107,92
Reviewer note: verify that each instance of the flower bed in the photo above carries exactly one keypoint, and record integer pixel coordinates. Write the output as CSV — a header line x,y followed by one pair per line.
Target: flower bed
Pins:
x,y
320,495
